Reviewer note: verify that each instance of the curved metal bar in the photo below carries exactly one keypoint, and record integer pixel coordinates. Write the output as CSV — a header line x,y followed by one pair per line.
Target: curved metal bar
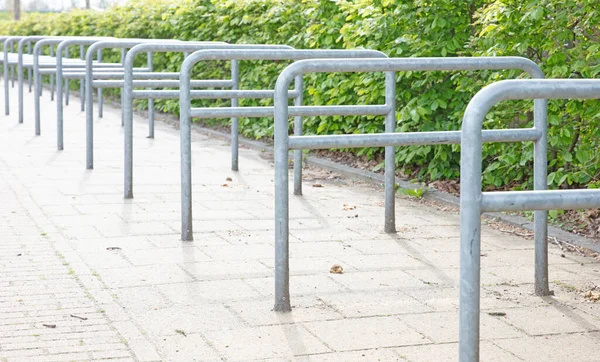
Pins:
x,y
472,201
8,44
37,74
89,86
282,138
20,76
185,104
129,93
61,49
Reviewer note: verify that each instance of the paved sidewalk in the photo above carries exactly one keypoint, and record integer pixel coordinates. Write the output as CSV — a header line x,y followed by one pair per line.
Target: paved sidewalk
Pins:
x,y
87,275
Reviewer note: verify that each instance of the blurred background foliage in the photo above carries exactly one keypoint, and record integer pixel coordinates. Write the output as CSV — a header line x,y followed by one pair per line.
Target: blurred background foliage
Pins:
x,y
563,37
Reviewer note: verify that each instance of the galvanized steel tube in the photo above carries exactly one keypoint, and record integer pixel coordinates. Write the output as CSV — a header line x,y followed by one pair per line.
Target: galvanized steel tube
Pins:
x,y
407,139
187,232
305,111
100,91
130,93
472,199
390,155
209,94
81,83
361,65
52,76
29,69
299,86
540,200
186,113
115,44
149,62
62,84
234,131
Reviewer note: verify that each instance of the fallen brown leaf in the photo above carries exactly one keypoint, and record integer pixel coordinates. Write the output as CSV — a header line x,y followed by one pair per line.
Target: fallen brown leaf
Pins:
x,y
336,269
592,295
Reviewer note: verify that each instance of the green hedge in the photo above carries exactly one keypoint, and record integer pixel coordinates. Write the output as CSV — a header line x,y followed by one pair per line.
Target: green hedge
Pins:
x,y
562,36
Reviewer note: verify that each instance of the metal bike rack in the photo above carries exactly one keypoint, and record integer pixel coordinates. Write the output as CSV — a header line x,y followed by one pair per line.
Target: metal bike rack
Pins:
x,y
187,113
130,94
4,61
284,142
114,75
473,202
69,69
9,62
20,67
118,83
54,66
80,74
19,60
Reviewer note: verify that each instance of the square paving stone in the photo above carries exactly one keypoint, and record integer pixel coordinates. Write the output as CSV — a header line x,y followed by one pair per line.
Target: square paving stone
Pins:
x,y
281,341
363,333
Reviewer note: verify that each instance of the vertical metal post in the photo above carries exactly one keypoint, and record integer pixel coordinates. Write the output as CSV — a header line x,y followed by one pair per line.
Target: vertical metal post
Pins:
x,y
89,110
235,78
150,64
20,79
6,80
390,155
12,68
100,90
540,217
128,123
81,82
299,86
470,237
59,96
123,54
187,233
29,69
67,85
282,267
37,79
51,76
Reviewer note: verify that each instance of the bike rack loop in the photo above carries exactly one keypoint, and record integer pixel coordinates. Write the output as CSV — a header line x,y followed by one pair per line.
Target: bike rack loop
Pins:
x,y
21,64
58,66
473,201
62,43
18,62
150,93
61,74
186,112
89,86
283,143
8,44
2,40
25,40
130,94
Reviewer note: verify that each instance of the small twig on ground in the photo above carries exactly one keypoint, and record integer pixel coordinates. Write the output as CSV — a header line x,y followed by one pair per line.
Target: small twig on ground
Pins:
x,y
563,245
